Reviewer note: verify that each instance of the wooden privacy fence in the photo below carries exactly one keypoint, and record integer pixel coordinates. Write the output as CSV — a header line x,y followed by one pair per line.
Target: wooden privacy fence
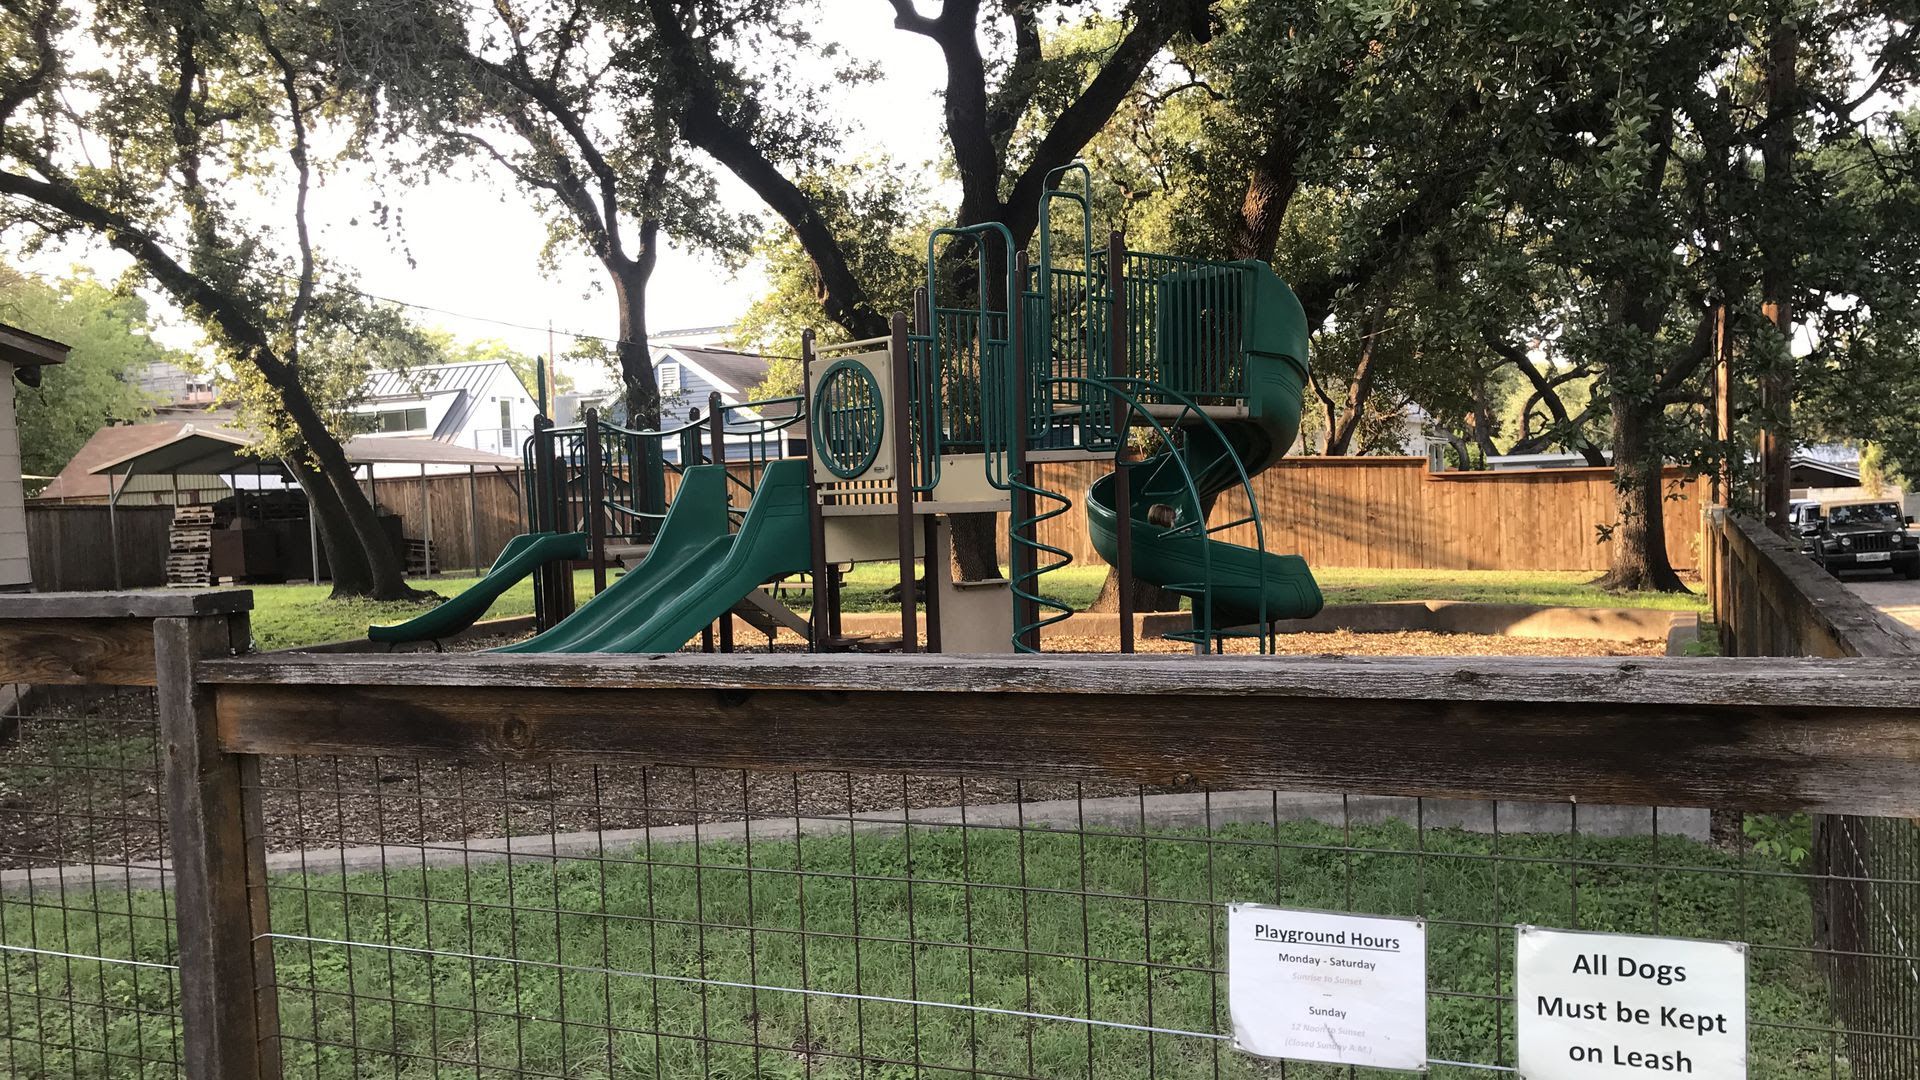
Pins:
x,y
1385,513
1771,600
1392,513
470,517
77,547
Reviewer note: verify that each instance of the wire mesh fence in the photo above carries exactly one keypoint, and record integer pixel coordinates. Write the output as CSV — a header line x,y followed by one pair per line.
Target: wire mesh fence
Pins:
x,y
89,977
572,921
1868,919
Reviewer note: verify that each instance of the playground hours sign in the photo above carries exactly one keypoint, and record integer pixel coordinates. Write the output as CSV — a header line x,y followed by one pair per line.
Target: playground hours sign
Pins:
x,y
1601,1006
1327,986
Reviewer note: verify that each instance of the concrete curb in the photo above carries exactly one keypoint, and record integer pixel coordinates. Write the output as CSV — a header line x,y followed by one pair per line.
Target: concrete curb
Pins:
x,y
1400,616
514,624
1123,816
1682,633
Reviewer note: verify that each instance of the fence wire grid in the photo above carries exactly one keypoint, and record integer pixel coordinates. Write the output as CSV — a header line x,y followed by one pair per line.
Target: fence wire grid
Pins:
x,y
430,918
89,979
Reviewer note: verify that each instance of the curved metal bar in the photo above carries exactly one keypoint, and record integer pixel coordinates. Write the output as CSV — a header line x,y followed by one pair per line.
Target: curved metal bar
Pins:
x,y
1133,399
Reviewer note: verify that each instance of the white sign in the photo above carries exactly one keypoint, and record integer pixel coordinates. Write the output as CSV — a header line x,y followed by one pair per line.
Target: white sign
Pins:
x,y
1325,986
1607,1005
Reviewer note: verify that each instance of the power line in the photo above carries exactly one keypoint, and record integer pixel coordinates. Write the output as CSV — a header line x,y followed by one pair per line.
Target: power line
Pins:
x,y
577,335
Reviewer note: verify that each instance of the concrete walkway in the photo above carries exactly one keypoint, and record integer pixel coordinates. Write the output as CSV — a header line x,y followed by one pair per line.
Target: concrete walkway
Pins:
x,y
1126,816
1896,597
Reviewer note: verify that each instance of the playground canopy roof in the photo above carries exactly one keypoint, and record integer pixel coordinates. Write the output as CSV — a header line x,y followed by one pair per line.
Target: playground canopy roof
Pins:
x,y
198,450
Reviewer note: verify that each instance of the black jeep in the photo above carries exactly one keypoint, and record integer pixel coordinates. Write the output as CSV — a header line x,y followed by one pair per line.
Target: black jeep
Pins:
x,y
1864,535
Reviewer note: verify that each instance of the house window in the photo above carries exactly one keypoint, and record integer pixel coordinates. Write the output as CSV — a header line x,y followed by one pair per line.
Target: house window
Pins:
x,y
397,421
669,377
506,414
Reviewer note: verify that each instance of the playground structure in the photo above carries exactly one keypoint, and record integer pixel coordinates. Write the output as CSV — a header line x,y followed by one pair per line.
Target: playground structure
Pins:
x,y
1187,375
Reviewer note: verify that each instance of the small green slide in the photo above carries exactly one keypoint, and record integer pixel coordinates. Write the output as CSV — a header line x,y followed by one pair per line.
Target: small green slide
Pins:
x,y
697,570
1247,584
522,556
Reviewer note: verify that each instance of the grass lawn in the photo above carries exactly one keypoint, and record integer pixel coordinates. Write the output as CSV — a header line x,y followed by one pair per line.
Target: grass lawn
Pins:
x,y
588,933
289,615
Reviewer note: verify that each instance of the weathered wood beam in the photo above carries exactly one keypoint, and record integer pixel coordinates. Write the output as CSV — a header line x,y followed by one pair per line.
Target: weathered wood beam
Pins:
x,y
68,652
139,604
1835,736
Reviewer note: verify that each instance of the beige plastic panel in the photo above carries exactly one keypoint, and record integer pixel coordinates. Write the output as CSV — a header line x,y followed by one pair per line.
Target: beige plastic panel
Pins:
x,y
880,363
868,538
963,479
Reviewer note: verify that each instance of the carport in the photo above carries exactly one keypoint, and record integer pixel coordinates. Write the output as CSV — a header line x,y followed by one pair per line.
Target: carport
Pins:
x,y
226,451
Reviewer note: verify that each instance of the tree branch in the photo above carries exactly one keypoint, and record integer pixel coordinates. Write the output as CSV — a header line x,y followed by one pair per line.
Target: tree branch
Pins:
x,y
1082,120
707,126
1010,103
297,151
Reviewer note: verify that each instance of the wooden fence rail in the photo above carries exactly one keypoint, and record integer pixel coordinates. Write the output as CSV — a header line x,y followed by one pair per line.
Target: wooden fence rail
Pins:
x,y
1770,600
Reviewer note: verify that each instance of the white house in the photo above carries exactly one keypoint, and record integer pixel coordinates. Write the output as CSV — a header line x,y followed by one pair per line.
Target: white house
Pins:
x,y
479,405
22,355
688,374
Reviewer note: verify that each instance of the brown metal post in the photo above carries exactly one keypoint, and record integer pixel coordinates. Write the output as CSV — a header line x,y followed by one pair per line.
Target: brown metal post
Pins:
x,y
596,502
717,435
1021,555
1122,425
901,364
1123,546
228,1005
816,522
546,582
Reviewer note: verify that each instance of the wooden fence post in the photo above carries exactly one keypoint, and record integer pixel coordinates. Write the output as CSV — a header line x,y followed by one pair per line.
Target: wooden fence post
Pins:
x,y
228,1003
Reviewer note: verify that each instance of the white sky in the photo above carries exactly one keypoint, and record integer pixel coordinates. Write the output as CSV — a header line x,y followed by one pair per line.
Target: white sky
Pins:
x,y
475,244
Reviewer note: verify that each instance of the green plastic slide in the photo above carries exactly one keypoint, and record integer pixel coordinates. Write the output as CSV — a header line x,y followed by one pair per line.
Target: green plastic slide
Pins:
x,y
697,571
1248,586
522,556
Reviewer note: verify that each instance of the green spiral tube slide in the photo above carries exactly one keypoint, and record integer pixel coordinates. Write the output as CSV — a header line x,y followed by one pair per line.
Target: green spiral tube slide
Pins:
x,y
1245,583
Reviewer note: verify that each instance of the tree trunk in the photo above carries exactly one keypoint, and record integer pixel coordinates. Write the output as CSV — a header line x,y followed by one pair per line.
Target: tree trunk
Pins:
x,y
640,387
346,562
1640,537
1777,148
1146,596
1270,186
386,570
976,543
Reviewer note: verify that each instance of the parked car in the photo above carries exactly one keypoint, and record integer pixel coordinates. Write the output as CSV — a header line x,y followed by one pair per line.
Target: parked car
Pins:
x,y
1860,534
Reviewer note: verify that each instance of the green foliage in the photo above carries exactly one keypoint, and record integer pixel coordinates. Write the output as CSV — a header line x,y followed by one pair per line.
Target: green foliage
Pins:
x,y
348,341
880,215
108,330
1783,838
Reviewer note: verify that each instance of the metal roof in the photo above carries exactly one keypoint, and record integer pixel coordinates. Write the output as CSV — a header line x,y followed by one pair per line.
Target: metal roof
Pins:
x,y
468,380
213,451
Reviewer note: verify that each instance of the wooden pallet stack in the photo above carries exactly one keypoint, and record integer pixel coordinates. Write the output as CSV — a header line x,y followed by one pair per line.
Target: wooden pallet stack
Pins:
x,y
190,548
417,552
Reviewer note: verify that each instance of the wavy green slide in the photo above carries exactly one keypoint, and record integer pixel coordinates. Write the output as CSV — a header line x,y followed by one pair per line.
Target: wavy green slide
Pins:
x,y
697,570
522,556
1247,584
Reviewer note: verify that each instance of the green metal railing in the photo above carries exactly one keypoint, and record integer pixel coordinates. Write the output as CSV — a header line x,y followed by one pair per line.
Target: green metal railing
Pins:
x,y
1185,324
634,465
